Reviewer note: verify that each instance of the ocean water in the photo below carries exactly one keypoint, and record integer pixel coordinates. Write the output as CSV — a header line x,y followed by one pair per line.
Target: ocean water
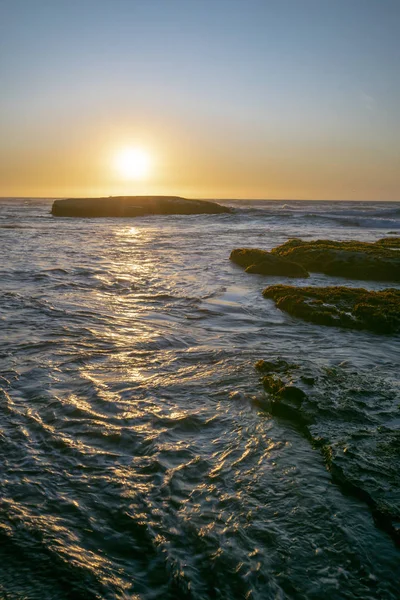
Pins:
x,y
137,458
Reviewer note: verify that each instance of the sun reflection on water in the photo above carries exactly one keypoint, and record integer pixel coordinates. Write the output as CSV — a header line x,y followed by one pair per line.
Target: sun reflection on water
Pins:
x,y
128,231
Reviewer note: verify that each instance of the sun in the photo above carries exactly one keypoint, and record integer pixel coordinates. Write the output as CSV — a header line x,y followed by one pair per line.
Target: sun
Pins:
x,y
132,163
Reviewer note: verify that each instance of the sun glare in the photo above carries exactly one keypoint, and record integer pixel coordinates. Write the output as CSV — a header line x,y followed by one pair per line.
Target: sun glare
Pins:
x,y
133,163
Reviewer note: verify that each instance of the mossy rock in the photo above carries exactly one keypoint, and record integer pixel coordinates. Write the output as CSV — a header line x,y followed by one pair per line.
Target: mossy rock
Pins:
x,y
274,366
293,394
393,242
349,439
285,400
261,262
272,384
377,261
352,308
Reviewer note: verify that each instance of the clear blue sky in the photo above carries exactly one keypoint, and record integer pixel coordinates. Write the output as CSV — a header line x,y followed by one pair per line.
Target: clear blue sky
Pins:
x,y
249,98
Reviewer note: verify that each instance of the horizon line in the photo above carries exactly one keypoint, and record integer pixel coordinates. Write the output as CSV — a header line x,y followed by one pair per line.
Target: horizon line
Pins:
x,y
197,198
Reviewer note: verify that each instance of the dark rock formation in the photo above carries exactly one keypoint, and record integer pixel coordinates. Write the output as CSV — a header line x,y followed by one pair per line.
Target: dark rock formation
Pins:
x,y
292,393
345,416
134,206
352,308
378,261
261,262
272,384
284,396
274,366
393,242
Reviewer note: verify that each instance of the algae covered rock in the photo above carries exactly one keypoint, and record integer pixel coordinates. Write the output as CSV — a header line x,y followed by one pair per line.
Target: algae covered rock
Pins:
x,y
393,242
275,386
272,384
292,393
346,415
284,396
378,261
261,262
352,308
283,383
274,366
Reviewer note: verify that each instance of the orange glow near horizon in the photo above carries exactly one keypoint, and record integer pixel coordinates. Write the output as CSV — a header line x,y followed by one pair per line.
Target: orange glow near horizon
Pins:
x,y
159,158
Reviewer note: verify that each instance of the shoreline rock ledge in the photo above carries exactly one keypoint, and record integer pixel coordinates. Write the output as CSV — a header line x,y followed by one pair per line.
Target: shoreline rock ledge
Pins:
x,y
134,206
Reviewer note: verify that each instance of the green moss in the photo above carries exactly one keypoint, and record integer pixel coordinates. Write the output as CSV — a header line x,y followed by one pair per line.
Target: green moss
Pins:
x,y
261,262
379,261
353,308
274,366
272,384
393,242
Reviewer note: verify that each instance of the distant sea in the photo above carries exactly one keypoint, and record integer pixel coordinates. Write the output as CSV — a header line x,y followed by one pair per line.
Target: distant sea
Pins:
x,y
136,458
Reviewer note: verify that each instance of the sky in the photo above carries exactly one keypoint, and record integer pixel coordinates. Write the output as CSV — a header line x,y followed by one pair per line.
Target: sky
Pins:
x,y
224,98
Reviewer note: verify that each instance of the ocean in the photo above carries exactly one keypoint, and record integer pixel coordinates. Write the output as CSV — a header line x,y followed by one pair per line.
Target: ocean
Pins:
x,y
137,458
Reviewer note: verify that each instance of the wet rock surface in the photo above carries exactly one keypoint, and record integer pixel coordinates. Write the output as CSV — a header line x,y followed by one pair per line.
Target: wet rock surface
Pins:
x,y
134,206
285,390
377,261
351,308
260,262
274,366
346,416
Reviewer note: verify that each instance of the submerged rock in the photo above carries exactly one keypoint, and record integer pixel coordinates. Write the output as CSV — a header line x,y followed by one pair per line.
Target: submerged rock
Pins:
x,y
307,379
284,396
272,384
352,308
379,261
261,262
292,393
274,366
393,242
346,415
134,206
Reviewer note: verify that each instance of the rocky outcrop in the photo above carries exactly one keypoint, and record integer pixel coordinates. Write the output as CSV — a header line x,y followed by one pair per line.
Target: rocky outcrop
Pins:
x,y
134,206
378,261
344,415
352,308
285,394
261,262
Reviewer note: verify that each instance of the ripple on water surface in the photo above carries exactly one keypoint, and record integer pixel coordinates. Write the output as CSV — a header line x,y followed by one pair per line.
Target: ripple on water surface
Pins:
x,y
136,460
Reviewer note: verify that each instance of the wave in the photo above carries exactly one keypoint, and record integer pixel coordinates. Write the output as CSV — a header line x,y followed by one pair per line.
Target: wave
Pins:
x,y
346,218
364,222
15,226
354,220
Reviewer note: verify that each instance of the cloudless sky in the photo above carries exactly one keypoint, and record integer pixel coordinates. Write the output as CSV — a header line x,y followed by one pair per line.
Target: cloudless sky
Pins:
x,y
230,98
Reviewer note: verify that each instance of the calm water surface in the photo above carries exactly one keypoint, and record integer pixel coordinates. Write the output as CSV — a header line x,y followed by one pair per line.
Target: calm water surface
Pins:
x,y
136,461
